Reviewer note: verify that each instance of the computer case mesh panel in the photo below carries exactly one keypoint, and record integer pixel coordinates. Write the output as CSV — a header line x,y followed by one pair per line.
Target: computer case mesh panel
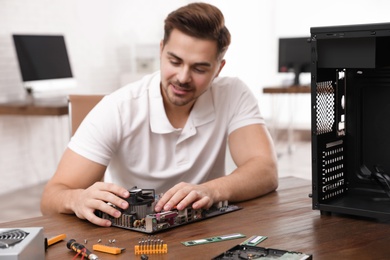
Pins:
x,y
330,147
325,112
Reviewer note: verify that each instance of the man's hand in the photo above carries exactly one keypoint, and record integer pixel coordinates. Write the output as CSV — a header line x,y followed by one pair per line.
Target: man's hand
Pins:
x,y
183,194
96,197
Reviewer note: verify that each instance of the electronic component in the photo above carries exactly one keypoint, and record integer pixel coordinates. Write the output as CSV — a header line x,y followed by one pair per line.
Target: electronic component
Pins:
x,y
254,240
140,215
108,249
53,240
212,239
150,245
144,257
22,243
80,249
240,252
12,237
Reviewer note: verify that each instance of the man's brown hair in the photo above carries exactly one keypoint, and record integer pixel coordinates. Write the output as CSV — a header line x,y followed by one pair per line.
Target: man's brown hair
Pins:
x,y
200,20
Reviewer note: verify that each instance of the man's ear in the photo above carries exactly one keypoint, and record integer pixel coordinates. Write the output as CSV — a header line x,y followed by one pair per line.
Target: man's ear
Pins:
x,y
161,46
223,62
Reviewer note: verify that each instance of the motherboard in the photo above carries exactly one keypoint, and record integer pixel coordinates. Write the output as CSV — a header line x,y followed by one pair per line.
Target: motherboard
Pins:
x,y
140,215
240,252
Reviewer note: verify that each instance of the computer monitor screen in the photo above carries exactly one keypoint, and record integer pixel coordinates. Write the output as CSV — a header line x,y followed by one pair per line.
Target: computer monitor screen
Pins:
x,y
43,62
294,56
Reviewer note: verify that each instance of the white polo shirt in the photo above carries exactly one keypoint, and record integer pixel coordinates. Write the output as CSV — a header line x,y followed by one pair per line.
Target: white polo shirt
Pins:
x,y
129,132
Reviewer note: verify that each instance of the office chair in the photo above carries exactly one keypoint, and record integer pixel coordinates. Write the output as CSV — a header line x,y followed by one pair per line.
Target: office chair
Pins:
x,y
79,106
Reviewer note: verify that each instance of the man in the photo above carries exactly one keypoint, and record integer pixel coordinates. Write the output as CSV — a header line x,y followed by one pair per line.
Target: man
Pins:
x,y
169,132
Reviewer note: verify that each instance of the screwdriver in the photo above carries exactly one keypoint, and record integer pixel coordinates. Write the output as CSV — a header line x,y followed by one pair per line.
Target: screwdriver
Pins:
x,y
79,248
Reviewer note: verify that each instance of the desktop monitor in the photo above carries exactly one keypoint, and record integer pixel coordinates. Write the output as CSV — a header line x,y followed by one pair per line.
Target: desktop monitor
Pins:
x,y
44,63
294,56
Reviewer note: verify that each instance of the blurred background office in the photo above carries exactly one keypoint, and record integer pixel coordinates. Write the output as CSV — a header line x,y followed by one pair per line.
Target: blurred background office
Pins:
x,y
111,43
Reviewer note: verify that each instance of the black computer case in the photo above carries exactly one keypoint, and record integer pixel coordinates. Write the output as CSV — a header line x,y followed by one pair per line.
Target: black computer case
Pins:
x,y
350,99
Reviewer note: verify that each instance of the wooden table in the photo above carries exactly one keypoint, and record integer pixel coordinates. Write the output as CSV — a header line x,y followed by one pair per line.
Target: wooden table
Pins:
x,y
285,90
285,217
49,107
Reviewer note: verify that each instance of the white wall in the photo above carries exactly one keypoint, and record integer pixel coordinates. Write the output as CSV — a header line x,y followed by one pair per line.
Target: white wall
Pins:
x,y
295,18
102,39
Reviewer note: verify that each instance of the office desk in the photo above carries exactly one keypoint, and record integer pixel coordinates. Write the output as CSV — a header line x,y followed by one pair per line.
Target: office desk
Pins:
x,y
284,216
35,134
288,90
54,107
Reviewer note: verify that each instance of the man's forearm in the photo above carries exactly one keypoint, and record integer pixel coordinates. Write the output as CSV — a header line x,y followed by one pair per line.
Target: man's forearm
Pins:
x,y
252,179
58,200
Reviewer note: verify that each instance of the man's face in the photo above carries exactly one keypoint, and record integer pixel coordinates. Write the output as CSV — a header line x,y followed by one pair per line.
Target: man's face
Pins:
x,y
188,67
